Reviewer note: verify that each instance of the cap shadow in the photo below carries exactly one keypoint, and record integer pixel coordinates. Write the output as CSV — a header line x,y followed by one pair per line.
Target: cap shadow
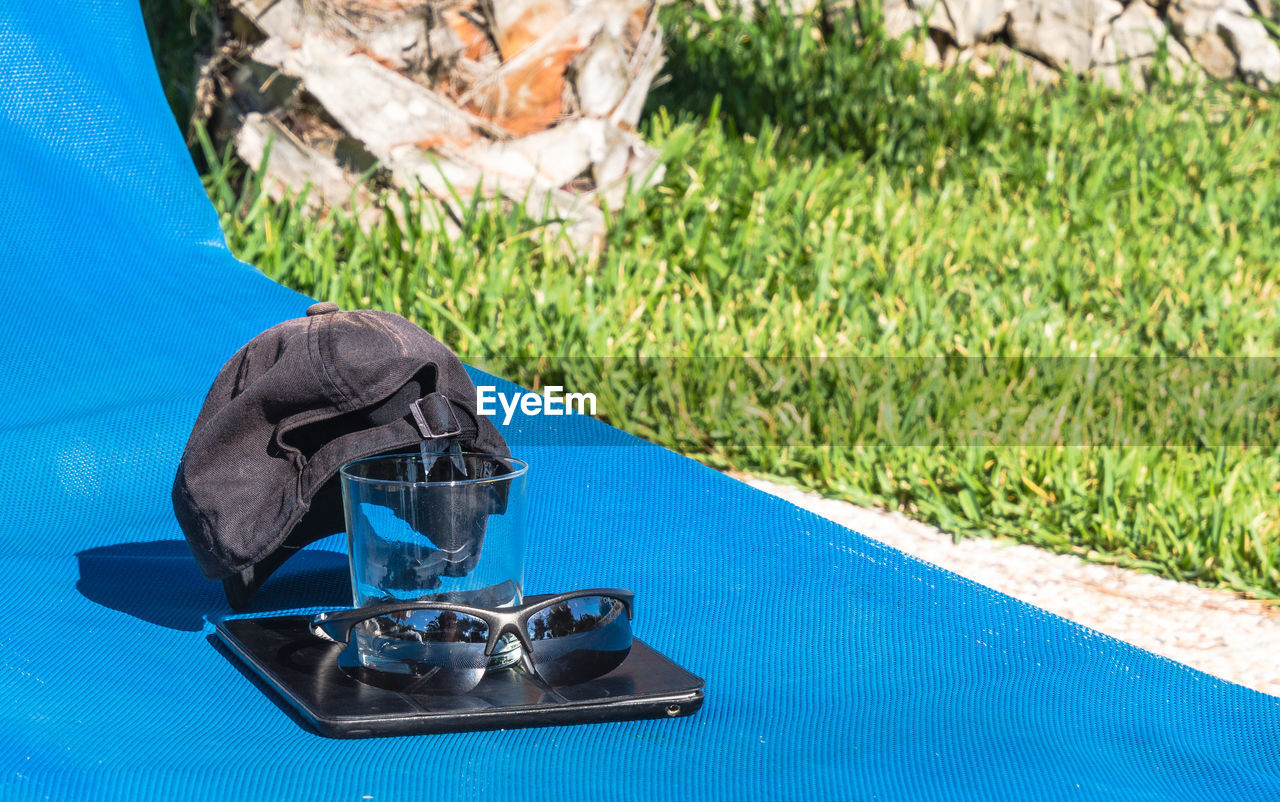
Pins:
x,y
158,582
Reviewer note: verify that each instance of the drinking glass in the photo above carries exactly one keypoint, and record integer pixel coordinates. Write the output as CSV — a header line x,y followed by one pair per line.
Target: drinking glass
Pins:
x,y
445,528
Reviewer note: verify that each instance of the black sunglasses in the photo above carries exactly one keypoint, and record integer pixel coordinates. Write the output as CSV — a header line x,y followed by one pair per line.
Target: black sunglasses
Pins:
x,y
567,638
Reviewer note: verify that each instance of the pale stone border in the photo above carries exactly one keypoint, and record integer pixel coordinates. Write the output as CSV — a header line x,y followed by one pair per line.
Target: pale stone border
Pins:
x,y
1215,631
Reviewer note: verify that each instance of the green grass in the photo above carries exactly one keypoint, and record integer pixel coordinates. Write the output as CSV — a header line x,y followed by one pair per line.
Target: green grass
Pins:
x,y
826,197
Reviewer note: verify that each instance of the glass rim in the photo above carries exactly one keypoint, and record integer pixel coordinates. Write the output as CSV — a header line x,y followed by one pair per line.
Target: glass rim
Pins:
x,y
518,469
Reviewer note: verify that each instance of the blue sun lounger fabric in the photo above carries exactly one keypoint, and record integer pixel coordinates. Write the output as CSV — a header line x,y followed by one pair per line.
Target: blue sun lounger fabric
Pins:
x,y
836,668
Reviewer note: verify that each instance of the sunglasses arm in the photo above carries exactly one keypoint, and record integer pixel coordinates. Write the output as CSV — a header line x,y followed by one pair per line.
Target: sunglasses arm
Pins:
x,y
331,627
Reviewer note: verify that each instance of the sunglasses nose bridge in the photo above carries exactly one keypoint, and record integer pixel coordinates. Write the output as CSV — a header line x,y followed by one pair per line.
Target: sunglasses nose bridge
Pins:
x,y
496,633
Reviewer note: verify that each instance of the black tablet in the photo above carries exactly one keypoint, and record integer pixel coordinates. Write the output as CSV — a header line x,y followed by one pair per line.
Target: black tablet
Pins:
x,y
304,672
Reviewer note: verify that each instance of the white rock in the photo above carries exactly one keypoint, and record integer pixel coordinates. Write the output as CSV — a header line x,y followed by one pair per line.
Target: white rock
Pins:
x,y
966,21
1265,7
1063,33
1226,39
1257,57
1194,23
985,59
924,49
900,18
1128,46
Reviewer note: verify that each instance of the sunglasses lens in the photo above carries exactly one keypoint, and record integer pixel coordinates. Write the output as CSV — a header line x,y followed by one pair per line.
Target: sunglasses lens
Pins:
x,y
439,651
579,639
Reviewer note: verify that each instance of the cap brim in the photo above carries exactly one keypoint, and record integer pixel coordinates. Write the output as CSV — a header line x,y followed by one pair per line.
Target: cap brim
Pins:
x,y
240,587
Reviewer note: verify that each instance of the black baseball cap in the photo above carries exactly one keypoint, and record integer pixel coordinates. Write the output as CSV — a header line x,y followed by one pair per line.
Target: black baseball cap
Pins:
x,y
258,479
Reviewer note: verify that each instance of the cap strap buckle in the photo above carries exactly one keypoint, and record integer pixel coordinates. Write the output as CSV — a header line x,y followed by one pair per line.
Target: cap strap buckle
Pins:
x,y
438,423
435,417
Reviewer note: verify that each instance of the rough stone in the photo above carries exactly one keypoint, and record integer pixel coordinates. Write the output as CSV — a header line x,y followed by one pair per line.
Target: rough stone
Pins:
x,y
900,18
1062,33
1195,24
1129,45
1257,57
985,58
966,21
1116,41
925,50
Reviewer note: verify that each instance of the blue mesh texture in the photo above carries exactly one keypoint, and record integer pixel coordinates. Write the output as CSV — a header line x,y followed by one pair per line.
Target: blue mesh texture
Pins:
x,y
836,668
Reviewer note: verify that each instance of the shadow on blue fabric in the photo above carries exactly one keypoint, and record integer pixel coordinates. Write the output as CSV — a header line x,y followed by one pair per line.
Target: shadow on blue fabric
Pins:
x,y
158,582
